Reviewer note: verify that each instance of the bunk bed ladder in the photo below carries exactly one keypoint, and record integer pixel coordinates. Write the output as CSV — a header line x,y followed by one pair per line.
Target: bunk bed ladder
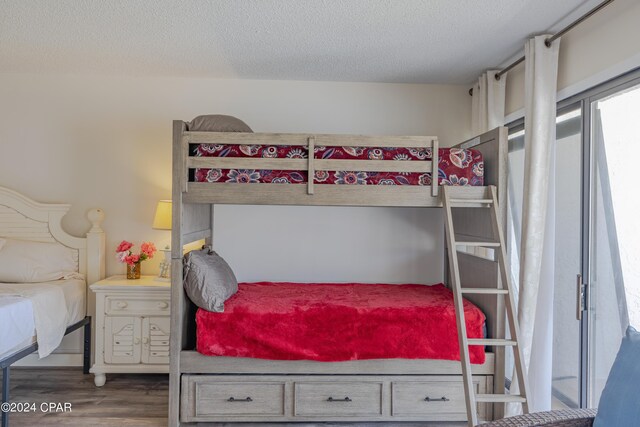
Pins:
x,y
465,197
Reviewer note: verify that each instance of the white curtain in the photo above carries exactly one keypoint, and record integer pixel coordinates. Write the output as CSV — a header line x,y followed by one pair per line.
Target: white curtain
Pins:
x,y
487,112
535,305
487,108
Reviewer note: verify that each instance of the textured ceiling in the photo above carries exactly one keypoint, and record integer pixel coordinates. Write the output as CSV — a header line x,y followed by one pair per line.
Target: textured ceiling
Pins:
x,y
407,41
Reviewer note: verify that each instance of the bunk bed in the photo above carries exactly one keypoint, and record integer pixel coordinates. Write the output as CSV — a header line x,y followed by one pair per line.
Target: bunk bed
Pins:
x,y
212,168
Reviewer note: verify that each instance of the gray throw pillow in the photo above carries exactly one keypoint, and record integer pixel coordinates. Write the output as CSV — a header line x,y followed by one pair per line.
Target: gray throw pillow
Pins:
x,y
208,279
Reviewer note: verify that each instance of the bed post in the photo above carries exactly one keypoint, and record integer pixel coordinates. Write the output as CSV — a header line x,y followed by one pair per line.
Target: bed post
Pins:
x,y
95,271
435,160
211,235
5,394
177,297
95,247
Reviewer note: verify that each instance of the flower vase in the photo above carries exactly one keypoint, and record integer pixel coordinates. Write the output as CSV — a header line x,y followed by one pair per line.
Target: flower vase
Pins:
x,y
133,271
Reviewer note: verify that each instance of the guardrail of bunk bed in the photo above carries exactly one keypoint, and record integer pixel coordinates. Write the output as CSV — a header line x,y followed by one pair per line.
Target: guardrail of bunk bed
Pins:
x,y
311,164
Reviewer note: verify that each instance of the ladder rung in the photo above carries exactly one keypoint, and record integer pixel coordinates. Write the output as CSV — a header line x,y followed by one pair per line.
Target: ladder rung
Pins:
x,y
490,291
464,201
467,240
496,342
500,398
480,244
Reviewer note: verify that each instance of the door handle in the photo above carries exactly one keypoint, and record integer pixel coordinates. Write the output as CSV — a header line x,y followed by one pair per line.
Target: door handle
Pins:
x,y
579,297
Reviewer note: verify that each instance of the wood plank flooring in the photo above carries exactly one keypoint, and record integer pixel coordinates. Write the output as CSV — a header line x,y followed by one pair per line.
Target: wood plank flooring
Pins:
x,y
125,400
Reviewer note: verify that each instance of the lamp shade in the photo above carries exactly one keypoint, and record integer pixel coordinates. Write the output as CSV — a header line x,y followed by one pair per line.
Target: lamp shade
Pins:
x,y
162,219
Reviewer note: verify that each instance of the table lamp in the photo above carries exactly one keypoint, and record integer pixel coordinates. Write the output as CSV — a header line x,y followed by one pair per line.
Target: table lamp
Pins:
x,y
162,221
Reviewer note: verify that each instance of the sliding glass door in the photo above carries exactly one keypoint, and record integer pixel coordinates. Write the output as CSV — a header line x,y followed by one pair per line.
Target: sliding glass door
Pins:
x,y
614,256
565,380
567,216
597,233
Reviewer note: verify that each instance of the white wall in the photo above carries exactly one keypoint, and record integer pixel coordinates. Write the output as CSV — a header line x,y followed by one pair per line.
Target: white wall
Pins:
x,y
598,49
106,142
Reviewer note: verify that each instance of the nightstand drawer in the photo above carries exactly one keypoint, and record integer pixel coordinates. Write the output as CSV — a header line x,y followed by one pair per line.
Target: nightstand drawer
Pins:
x,y
136,305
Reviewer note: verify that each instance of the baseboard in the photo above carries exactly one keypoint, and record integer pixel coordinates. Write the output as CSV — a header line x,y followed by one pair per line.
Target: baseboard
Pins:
x,y
54,359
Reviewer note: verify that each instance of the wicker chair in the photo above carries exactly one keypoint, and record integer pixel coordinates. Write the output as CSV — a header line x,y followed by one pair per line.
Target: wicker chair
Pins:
x,y
563,418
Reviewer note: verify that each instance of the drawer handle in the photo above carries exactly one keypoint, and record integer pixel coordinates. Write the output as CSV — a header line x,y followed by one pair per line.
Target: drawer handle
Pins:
x,y
233,399
163,304
430,399
346,399
122,304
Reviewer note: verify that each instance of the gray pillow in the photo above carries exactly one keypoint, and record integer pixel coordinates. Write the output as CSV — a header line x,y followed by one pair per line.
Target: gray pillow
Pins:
x,y
619,405
208,279
217,123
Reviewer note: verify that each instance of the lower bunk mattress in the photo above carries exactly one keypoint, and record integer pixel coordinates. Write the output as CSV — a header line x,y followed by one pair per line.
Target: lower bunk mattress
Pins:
x,y
338,322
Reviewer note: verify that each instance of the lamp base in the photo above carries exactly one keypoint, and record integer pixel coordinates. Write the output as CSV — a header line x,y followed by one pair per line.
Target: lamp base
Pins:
x,y
164,275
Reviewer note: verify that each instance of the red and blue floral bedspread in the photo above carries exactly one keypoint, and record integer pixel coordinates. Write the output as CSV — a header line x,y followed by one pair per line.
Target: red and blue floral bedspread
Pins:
x,y
462,167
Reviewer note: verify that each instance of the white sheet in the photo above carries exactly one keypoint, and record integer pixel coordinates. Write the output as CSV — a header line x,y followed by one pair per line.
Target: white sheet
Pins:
x,y
59,304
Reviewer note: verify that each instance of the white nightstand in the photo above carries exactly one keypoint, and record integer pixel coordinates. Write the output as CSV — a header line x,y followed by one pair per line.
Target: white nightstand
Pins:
x,y
132,326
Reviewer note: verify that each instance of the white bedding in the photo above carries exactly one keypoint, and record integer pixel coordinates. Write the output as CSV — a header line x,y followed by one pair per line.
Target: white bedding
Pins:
x,y
58,304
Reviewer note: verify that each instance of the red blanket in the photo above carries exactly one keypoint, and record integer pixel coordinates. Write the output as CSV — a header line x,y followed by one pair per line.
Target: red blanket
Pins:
x,y
337,322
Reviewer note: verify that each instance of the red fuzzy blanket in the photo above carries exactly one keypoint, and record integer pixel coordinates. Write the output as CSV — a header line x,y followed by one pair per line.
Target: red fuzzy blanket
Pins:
x,y
337,322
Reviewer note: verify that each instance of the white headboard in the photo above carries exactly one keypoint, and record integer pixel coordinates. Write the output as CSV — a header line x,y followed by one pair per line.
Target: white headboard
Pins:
x,y
25,219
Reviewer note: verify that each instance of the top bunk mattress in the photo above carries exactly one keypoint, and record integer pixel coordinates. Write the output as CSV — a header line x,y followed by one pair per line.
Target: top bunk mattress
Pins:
x,y
456,166
338,322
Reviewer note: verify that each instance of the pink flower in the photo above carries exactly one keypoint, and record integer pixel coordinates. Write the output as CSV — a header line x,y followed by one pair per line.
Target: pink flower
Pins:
x,y
132,259
124,254
148,249
124,246
121,256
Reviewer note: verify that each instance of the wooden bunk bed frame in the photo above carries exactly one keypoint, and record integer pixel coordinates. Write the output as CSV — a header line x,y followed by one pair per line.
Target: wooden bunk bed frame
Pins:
x,y
283,391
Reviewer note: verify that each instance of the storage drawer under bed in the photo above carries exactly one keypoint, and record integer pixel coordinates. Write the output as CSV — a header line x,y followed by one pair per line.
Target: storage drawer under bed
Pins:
x,y
227,398
272,398
415,398
339,398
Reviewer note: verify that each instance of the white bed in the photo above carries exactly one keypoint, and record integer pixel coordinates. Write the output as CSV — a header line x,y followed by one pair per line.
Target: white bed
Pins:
x,y
58,307
18,328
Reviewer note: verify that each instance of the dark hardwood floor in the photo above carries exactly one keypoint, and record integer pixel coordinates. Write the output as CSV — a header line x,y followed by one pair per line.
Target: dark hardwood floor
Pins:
x,y
125,400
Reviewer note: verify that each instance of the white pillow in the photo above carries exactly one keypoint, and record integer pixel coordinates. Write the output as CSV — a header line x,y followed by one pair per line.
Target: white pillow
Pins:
x,y
22,261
